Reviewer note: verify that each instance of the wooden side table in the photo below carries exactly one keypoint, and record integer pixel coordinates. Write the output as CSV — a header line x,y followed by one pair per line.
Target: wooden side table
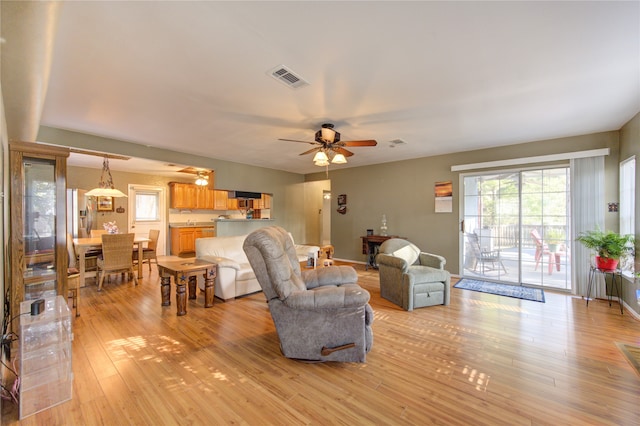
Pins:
x,y
370,246
183,272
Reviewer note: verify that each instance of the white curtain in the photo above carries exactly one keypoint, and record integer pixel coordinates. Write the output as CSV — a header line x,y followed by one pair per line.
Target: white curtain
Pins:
x,y
587,207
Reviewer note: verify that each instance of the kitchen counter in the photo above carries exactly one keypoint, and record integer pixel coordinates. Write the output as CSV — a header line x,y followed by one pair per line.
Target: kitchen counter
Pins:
x,y
243,220
192,225
212,223
231,227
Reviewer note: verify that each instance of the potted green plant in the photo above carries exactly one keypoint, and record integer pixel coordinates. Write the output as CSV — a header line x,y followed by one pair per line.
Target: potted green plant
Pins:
x,y
609,246
554,238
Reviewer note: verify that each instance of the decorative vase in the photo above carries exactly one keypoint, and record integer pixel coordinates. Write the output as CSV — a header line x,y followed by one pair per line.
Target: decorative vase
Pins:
x,y
606,263
383,227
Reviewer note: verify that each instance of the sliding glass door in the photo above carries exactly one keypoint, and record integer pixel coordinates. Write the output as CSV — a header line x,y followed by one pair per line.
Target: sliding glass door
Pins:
x,y
517,227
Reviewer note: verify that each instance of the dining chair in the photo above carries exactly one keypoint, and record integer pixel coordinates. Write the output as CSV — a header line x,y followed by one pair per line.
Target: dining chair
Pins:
x,y
98,232
149,252
117,256
73,275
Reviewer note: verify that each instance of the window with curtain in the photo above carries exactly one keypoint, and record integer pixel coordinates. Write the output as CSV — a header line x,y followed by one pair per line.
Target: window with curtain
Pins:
x,y
627,208
147,206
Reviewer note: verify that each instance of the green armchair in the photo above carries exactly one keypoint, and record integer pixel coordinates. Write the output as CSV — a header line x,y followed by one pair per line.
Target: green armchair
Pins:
x,y
411,278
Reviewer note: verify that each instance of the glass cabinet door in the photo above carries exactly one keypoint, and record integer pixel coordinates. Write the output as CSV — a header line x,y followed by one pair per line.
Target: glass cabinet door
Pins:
x,y
39,228
38,247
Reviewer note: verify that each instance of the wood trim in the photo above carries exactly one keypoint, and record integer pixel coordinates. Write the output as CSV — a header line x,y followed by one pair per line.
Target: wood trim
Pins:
x,y
531,160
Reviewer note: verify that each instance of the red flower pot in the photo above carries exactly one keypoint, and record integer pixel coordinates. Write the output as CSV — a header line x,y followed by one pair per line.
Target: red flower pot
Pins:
x,y
606,264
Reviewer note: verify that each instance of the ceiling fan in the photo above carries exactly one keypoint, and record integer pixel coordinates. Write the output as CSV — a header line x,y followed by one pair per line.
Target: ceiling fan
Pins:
x,y
329,147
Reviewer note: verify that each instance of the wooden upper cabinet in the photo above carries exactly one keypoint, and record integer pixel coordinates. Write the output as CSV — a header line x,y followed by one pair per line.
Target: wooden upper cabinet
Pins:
x,y
182,195
266,201
193,197
232,204
204,198
220,200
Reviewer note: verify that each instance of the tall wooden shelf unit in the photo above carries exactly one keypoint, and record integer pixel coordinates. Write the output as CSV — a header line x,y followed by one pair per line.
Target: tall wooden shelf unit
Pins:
x,y
38,222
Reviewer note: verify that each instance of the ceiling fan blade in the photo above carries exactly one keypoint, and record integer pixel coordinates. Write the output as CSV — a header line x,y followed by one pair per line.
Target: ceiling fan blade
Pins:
x,y
311,150
369,142
343,151
294,140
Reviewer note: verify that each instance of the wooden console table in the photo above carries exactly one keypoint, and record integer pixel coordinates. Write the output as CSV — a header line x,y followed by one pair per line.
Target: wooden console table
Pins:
x,y
184,271
370,246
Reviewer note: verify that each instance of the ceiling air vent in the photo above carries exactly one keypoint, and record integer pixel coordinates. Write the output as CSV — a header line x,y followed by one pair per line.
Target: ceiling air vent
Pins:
x,y
287,77
396,142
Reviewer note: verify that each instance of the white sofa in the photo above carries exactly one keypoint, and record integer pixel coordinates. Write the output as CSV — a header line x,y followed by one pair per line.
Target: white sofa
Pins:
x,y
235,277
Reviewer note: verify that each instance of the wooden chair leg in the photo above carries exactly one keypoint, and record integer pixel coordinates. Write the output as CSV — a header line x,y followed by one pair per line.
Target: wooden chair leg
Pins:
x,y
101,280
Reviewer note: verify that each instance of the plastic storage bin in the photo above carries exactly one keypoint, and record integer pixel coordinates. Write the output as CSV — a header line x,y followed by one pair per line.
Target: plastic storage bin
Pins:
x,y
45,356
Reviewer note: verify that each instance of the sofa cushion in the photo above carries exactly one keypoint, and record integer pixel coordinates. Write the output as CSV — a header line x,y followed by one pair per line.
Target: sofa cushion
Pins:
x,y
229,247
401,248
245,272
424,274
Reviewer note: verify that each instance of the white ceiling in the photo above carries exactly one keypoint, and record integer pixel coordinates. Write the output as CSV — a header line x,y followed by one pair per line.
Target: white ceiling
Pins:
x,y
442,76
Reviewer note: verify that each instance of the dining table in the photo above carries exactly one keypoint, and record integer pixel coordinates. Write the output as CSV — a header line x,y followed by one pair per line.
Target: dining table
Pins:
x,y
85,244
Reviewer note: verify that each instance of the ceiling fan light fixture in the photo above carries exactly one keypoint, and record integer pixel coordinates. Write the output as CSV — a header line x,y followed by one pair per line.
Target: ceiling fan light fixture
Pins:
x,y
327,134
320,156
322,163
202,179
105,186
339,159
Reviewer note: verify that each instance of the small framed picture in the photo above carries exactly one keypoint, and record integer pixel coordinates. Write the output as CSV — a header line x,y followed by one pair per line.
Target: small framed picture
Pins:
x,y
105,204
342,199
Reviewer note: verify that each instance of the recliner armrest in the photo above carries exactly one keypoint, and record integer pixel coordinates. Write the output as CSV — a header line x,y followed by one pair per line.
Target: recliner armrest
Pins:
x,y
330,275
432,260
329,297
391,261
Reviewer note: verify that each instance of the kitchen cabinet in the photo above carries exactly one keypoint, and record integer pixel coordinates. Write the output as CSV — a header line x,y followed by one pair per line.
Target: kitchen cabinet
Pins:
x,y
182,195
205,198
183,239
190,196
232,204
264,202
220,200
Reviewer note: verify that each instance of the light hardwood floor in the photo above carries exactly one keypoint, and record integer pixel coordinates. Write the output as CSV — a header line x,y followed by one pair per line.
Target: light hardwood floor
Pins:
x,y
482,360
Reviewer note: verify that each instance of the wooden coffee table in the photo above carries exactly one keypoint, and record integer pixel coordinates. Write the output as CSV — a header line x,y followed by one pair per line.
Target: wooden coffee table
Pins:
x,y
184,271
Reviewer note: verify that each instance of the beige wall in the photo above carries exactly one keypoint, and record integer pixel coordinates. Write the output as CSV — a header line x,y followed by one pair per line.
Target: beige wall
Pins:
x,y
404,191
629,146
287,210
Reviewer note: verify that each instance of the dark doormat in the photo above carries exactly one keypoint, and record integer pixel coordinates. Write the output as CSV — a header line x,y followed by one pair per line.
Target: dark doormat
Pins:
x,y
508,290
632,353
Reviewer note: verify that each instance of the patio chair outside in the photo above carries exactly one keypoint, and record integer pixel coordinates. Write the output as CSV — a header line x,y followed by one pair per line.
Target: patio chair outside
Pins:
x,y
484,257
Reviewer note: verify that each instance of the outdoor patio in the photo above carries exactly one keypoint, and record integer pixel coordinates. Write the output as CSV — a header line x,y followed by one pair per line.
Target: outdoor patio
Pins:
x,y
560,276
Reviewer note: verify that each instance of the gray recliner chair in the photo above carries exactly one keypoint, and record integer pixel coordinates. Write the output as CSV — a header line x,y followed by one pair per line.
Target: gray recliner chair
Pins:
x,y
320,314
411,278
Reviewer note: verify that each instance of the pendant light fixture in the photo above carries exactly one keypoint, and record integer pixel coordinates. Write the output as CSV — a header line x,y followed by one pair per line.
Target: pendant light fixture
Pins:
x,y
105,187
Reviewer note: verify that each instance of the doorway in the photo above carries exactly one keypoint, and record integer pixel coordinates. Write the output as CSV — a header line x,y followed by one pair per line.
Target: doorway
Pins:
x,y
147,210
517,227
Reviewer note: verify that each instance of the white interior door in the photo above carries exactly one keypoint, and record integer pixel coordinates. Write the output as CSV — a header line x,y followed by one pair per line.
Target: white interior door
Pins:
x,y
147,211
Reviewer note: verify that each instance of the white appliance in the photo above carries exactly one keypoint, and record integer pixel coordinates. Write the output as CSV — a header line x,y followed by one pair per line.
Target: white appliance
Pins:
x,y
80,214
